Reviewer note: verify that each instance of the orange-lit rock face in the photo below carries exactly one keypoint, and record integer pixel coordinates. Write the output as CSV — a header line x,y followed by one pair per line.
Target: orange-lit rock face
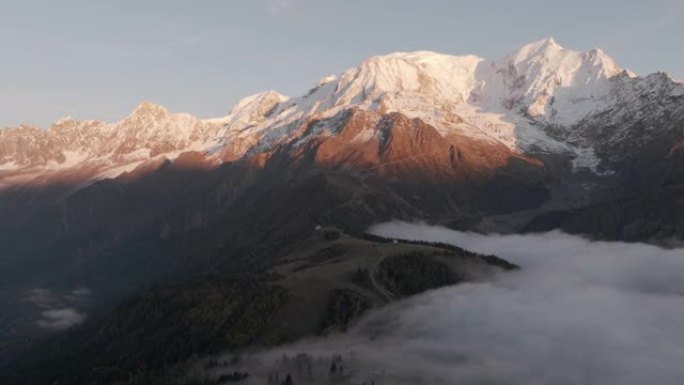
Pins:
x,y
384,144
193,160
394,145
349,148
258,161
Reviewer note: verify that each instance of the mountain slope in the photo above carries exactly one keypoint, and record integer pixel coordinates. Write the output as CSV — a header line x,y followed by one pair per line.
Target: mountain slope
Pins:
x,y
542,138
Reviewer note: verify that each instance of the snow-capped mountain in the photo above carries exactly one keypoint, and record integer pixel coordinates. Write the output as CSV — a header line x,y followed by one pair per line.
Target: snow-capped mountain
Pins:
x,y
542,138
540,99
148,131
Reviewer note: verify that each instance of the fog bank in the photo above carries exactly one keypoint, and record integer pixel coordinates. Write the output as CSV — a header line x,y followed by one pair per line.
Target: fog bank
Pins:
x,y
579,312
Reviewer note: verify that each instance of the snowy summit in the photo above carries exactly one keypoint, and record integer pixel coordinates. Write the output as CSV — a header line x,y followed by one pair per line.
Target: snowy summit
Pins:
x,y
520,101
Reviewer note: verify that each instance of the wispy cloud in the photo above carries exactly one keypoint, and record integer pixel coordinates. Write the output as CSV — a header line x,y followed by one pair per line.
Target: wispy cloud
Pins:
x,y
59,311
60,319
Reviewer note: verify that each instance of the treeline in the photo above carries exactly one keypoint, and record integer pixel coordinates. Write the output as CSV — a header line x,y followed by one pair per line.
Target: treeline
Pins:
x,y
488,258
344,306
154,330
413,273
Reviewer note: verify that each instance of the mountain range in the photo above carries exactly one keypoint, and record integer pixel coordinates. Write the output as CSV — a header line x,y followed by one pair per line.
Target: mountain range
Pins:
x,y
539,99
543,138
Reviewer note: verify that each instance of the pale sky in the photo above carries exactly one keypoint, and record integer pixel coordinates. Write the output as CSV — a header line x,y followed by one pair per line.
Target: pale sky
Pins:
x,y
93,59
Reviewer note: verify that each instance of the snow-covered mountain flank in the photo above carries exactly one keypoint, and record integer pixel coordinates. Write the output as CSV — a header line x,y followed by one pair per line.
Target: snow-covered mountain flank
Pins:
x,y
540,99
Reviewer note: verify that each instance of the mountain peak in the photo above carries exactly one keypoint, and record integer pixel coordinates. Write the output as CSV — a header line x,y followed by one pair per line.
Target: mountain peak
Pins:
x,y
64,120
537,50
147,108
258,105
253,109
546,43
546,55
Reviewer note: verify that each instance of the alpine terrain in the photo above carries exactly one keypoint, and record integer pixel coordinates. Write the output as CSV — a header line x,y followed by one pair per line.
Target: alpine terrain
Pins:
x,y
164,232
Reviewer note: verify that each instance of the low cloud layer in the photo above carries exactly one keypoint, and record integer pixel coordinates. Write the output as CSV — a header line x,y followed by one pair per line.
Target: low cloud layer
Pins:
x,y
60,319
579,312
59,311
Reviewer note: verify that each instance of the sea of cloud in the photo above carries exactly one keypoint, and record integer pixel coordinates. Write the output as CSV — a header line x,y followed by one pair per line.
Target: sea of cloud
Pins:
x,y
578,312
